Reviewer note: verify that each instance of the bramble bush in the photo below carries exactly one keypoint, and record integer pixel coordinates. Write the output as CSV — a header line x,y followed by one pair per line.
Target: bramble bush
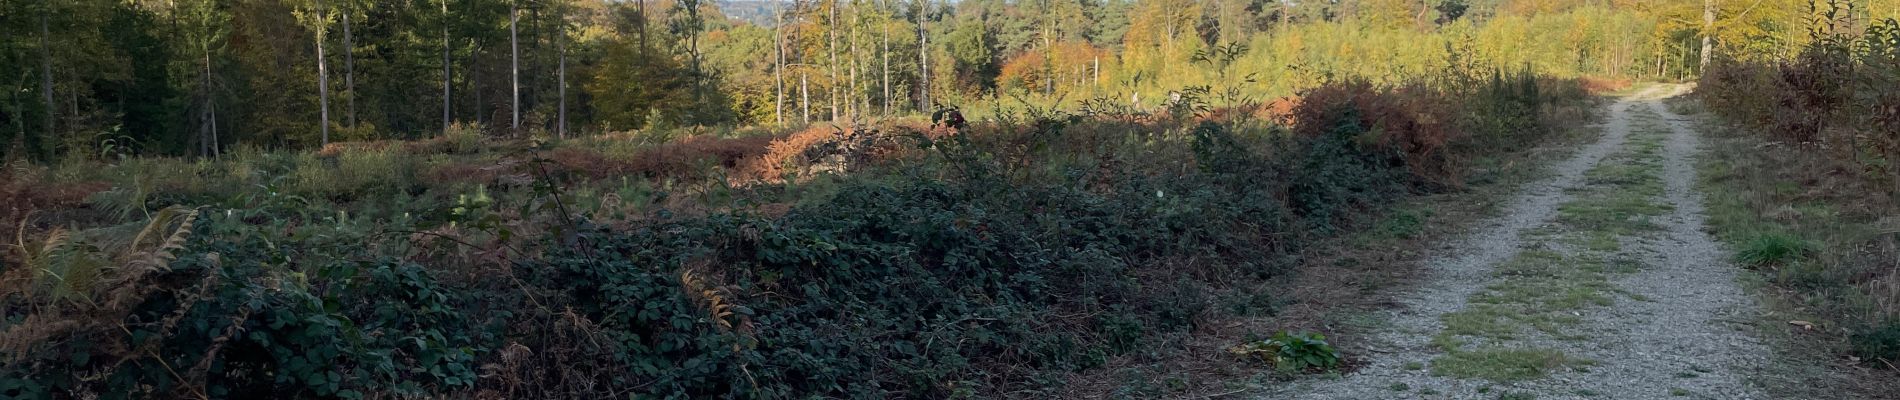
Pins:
x,y
981,264
933,281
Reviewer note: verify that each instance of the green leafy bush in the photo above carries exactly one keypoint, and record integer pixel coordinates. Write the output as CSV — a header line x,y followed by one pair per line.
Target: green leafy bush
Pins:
x,y
1878,341
225,309
1291,352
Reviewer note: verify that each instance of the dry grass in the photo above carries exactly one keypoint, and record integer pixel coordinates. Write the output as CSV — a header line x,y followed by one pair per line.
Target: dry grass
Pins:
x,y
687,159
339,148
832,149
27,190
1600,85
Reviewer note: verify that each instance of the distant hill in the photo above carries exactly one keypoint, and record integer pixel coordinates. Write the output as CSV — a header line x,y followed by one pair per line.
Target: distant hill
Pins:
x,y
756,12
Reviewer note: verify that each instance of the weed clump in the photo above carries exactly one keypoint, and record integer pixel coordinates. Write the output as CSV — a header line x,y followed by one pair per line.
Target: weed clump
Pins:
x,y
1880,342
1770,249
1291,352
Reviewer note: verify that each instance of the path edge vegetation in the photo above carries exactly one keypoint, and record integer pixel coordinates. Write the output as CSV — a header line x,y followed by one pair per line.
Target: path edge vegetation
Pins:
x,y
1347,283
1800,174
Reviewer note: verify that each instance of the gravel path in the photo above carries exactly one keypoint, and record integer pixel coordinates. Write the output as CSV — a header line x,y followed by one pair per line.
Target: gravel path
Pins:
x,y
1675,330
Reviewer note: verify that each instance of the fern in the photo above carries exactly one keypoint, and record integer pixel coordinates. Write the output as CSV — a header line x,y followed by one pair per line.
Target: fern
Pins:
x,y
57,263
35,256
709,298
75,267
167,249
161,257
128,199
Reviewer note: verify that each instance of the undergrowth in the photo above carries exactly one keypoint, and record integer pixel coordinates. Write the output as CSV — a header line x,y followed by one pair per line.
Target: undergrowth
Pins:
x,y
861,262
1808,204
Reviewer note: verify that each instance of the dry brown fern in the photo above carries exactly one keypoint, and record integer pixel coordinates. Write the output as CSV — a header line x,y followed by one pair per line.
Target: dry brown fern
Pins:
x,y
160,256
34,259
70,275
708,298
720,310
126,287
610,203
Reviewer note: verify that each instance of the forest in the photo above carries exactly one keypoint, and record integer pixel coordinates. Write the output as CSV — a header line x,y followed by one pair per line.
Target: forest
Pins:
x,y
938,199
204,77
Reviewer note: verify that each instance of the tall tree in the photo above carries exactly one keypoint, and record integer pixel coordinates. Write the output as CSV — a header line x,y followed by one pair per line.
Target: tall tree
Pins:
x,y
46,67
319,23
856,97
1708,33
778,63
349,66
831,31
514,69
561,36
884,34
203,32
446,65
921,14
804,94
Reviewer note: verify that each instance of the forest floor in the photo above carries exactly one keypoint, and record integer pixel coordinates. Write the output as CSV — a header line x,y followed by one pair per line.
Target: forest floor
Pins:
x,y
1598,280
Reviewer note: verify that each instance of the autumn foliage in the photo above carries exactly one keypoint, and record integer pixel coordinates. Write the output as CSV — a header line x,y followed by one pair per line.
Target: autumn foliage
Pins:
x,y
1411,121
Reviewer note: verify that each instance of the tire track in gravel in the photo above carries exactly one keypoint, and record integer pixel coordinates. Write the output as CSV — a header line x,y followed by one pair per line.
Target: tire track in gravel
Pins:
x,y
1693,328
1668,339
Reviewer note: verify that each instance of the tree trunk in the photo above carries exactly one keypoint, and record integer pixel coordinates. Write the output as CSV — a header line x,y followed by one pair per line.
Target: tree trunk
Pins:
x,y
1049,61
323,77
1286,13
923,57
46,72
535,38
885,36
1708,34
642,4
831,49
475,83
217,149
349,68
804,93
211,103
778,66
204,132
17,148
19,124
561,125
445,68
514,68
1419,20
857,66
692,45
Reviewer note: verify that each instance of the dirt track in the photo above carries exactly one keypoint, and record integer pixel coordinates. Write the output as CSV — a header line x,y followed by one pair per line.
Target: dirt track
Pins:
x,y
1598,281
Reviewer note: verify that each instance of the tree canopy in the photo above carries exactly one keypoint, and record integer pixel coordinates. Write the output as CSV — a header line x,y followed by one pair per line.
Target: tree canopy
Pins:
x,y
196,77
